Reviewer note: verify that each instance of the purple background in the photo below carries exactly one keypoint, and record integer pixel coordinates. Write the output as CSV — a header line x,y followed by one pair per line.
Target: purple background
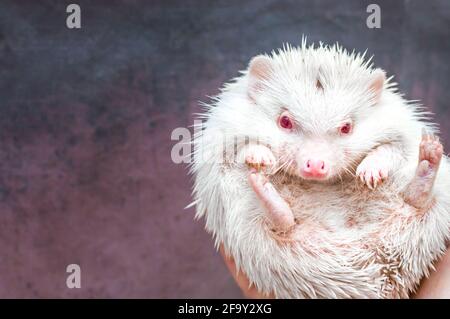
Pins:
x,y
86,117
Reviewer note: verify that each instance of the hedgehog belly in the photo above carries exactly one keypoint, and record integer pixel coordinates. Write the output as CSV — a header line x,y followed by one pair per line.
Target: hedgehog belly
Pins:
x,y
353,225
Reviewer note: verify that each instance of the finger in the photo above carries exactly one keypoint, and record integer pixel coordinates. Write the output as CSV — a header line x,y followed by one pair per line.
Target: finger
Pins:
x,y
241,279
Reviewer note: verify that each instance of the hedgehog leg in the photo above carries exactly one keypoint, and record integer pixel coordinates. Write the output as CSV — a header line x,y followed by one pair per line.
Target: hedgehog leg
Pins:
x,y
278,211
418,193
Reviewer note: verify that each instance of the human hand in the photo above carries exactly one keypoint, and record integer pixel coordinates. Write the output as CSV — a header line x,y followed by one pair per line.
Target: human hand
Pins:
x,y
241,279
437,285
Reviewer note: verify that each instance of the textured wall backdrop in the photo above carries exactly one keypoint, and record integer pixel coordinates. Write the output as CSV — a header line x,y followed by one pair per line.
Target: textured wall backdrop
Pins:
x,y
86,117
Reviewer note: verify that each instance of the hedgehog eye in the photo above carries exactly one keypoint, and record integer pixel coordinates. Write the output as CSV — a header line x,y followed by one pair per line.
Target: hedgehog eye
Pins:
x,y
346,128
285,121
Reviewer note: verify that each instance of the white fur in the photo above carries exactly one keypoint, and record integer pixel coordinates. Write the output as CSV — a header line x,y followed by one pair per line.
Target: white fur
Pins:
x,y
389,250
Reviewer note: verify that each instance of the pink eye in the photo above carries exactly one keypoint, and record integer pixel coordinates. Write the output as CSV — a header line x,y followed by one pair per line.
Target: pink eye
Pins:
x,y
285,122
346,128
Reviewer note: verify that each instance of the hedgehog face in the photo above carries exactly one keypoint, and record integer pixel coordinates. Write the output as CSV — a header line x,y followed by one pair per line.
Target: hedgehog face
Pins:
x,y
318,103
314,156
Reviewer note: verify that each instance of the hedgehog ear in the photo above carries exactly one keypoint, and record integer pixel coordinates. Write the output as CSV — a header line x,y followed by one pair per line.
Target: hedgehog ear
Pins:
x,y
376,84
259,70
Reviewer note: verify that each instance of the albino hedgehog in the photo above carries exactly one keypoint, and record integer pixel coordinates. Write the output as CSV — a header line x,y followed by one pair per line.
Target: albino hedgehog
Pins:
x,y
320,180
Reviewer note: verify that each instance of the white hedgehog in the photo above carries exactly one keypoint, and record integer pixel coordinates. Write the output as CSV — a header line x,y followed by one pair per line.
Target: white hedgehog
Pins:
x,y
320,180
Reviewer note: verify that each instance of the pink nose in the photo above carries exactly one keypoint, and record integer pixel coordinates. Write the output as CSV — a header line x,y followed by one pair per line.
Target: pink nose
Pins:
x,y
315,168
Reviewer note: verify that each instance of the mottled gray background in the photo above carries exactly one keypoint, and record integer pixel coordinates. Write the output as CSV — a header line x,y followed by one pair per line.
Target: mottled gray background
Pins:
x,y
86,117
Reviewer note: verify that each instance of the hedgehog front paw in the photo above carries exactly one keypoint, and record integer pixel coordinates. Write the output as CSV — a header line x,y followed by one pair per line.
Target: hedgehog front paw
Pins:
x,y
372,171
259,157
